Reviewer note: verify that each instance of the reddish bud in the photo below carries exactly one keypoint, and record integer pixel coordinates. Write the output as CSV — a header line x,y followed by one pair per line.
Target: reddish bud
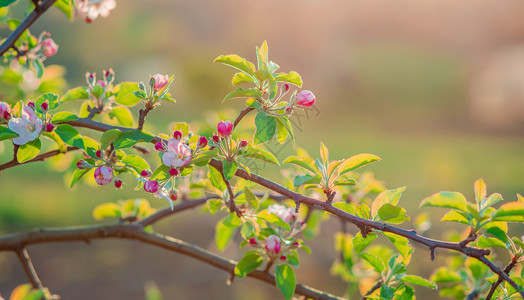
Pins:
x,y
109,75
273,243
82,164
5,110
160,146
224,128
283,257
216,138
45,106
202,142
49,127
31,104
173,195
103,175
90,78
99,154
173,172
289,110
243,144
101,83
49,47
253,241
158,81
151,186
305,98
118,183
285,88
145,173
177,135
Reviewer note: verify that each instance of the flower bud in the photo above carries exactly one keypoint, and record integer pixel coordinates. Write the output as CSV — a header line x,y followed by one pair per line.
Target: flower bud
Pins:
x,y
283,257
5,111
216,138
45,106
273,243
158,81
305,98
224,128
151,186
31,104
289,110
285,88
177,135
243,144
49,47
173,172
103,175
173,195
101,83
98,154
82,164
109,75
160,146
253,242
202,142
90,78
118,183
49,127
145,173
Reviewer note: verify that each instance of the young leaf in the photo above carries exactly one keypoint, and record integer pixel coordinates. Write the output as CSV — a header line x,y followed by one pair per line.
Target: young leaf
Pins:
x,y
237,62
291,77
324,154
70,135
305,162
488,242
109,137
266,127
66,7
456,216
136,162
260,154
285,279
414,279
123,115
129,138
251,198
357,161
386,197
360,243
77,175
248,263
28,151
106,210
241,93
242,77
511,212
345,207
229,168
63,116
273,219
392,214
453,200
374,261
282,120
215,178
480,191
124,93
400,242
6,133
223,234
247,229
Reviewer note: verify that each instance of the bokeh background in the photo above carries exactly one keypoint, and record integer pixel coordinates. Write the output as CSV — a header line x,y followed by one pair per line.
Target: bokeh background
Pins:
x,y
435,88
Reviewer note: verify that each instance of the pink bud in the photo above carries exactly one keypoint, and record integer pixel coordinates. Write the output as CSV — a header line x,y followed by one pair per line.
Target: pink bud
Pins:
x,y
305,98
285,88
45,106
145,173
82,164
101,83
5,110
283,257
118,183
202,142
109,74
273,243
160,81
224,128
49,47
253,242
49,127
90,78
7,115
160,146
173,195
151,186
173,172
243,144
98,154
103,175
216,138
177,135
31,104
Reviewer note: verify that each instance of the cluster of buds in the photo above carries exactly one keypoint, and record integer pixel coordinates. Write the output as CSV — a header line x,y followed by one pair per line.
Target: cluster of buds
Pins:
x,y
92,9
109,77
223,140
160,190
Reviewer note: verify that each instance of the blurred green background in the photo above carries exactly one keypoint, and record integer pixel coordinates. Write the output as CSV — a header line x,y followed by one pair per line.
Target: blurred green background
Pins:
x,y
432,87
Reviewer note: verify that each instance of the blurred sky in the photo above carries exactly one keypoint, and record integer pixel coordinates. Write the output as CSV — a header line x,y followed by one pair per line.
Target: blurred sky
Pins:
x,y
433,87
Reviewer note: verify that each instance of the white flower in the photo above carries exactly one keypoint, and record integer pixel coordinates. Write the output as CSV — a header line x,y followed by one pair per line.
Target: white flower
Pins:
x,y
284,213
28,126
177,155
91,9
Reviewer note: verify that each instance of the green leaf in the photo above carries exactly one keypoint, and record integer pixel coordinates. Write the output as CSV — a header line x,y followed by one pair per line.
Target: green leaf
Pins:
x,y
249,262
374,261
480,191
232,220
123,115
79,93
357,161
63,116
306,179
77,175
492,199
70,135
292,258
204,157
223,234
51,98
241,93
511,212
124,93
282,120
109,137
251,198
6,133
260,154
362,211
214,205
456,216
404,292
215,178
242,77
66,7
285,279
453,200
488,242
305,162
291,77
497,233
392,214
161,173
273,219
324,153
247,229
37,67
262,55
400,242
129,138
282,132
266,127
386,197
28,151
237,62
414,279
445,275
229,168
107,210
345,207
360,243
136,162
4,3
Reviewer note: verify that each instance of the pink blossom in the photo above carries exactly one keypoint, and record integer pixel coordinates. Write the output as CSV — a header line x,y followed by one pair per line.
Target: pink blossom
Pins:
x,y
160,81
173,172
91,9
49,127
305,98
202,142
5,111
103,175
273,243
49,47
177,155
224,128
285,213
151,186
28,127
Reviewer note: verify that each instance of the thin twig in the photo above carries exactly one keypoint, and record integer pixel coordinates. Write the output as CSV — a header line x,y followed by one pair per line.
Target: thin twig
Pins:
x,y
373,288
242,114
30,271
166,212
232,206
142,114
41,157
506,270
